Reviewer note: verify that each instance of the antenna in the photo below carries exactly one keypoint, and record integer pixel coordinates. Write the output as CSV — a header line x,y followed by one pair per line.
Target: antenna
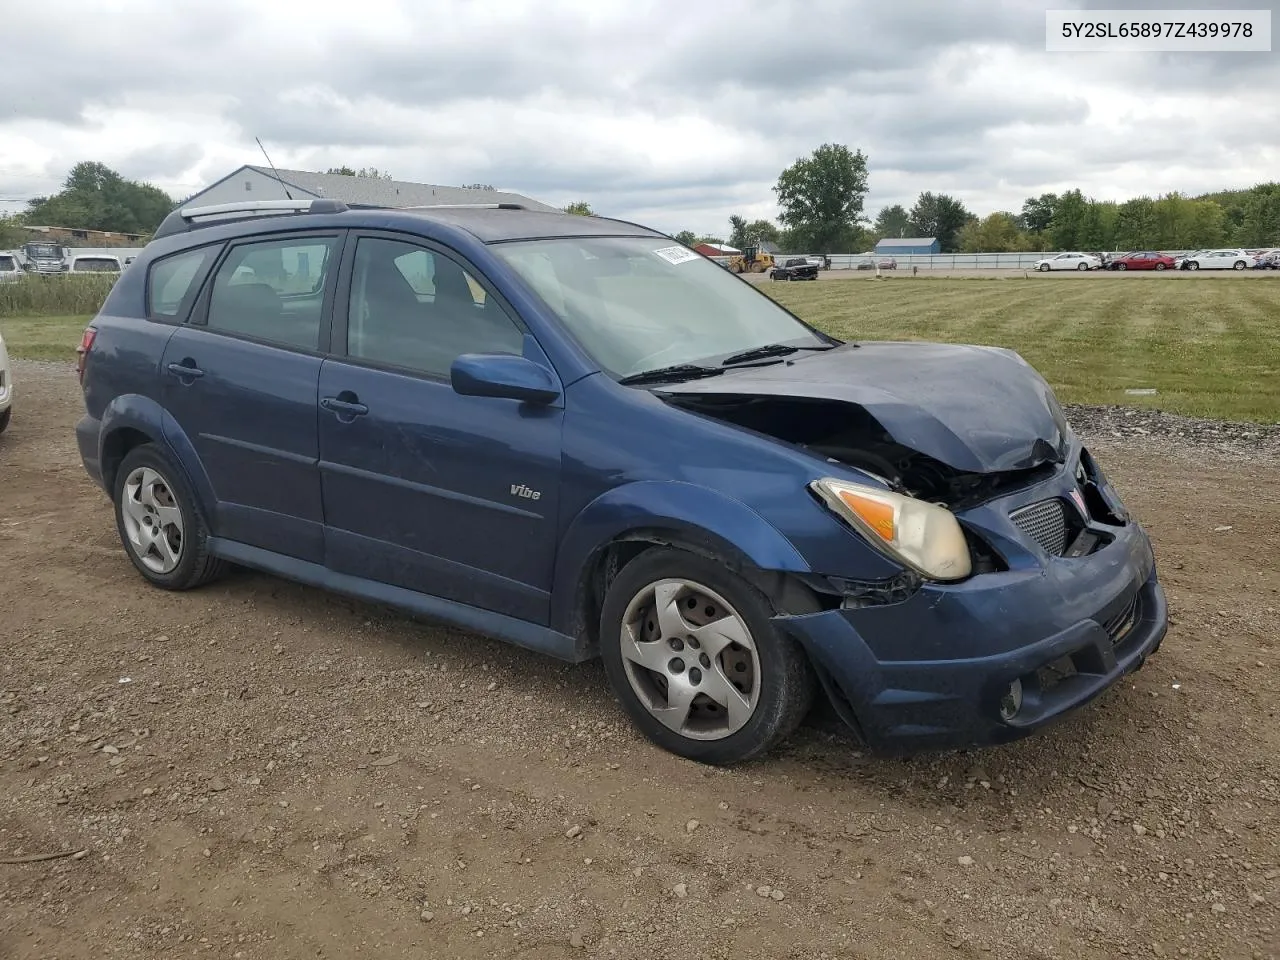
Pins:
x,y
273,168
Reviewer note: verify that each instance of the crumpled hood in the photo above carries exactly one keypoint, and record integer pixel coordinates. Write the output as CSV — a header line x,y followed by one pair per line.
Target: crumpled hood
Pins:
x,y
976,409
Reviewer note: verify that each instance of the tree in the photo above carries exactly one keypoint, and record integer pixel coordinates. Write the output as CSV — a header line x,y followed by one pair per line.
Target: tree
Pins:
x,y
892,222
1136,224
821,196
940,216
95,197
580,208
1066,229
687,237
12,233
995,233
372,173
743,234
1037,212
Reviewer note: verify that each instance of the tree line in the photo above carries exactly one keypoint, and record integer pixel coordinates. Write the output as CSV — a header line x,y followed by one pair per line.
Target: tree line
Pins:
x,y
821,202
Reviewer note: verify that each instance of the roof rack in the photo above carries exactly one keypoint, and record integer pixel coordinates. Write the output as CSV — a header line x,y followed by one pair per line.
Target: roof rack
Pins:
x,y
467,206
185,218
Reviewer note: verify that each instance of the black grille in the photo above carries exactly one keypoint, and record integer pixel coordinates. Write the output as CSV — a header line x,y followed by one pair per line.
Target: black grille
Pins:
x,y
1118,627
1045,523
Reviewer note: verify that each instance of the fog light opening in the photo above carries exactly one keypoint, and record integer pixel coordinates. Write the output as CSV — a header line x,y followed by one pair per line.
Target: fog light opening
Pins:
x,y
1011,702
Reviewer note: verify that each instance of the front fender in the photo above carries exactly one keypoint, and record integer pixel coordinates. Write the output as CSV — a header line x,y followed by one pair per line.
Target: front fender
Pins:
x,y
683,509
142,414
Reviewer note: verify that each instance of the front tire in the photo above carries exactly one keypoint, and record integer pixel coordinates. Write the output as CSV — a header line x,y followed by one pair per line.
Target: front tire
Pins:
x,y
1044,268
1122,266
1192,265
162,531
1238,265
1159,266
1083,266
5,418
693,657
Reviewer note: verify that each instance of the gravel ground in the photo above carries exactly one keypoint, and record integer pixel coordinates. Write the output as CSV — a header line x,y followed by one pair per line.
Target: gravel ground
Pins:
x,y
260,770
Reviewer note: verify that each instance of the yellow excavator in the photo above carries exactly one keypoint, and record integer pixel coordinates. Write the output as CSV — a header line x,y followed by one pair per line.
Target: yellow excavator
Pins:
x,y
751,260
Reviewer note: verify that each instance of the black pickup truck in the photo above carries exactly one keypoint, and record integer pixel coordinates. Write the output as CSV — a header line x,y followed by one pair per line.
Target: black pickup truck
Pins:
x,y
795,268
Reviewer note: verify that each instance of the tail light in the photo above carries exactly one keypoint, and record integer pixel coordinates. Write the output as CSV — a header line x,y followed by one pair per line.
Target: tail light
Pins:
x,y
82,351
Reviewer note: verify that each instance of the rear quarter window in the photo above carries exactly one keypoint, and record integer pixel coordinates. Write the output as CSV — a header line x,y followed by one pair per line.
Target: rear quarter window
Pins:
x,y
8,265
171,281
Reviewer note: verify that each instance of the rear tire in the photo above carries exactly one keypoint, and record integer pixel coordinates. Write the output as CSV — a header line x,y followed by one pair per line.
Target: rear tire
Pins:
x,y
1044,268
1159,266
159,525
705,674
5,418
1238,265
1083,266
1121,266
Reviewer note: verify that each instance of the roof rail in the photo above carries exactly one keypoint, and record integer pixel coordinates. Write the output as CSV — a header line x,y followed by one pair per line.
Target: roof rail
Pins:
x,y
185,218
467,206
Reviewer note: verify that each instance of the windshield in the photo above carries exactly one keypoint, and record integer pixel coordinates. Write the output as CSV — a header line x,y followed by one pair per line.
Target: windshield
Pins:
x,y
43,250
639,303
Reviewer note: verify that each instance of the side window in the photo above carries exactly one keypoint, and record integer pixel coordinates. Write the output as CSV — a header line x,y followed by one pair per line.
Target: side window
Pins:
x,y
170,281
415,308
273,290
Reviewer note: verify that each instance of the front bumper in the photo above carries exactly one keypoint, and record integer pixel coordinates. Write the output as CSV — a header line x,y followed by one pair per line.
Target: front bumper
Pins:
x,y
930,671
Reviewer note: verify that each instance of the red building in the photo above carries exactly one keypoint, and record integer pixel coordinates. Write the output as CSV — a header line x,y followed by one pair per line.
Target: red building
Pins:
x,y
716,249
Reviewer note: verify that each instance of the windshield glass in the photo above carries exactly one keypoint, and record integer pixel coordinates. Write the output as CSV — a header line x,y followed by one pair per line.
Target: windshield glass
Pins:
x,y
43,250
639,303
8,265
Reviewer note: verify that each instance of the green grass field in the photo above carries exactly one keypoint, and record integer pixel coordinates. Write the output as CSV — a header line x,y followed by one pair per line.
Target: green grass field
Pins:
x,y
1210,347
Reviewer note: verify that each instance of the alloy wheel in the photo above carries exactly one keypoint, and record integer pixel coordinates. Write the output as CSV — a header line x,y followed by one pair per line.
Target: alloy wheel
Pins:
x,y
152,520
690,659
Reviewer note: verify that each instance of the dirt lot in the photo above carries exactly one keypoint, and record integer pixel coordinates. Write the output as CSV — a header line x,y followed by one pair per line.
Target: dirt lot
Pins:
x,y
259,770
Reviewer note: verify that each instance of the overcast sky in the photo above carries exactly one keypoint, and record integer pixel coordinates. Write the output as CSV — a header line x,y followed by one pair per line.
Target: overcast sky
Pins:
x,y
674,113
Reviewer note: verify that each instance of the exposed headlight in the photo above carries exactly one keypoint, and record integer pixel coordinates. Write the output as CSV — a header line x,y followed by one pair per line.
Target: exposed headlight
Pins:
x,y
923,536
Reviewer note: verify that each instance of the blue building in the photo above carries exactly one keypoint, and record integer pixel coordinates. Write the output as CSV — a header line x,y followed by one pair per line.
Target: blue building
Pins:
x,y
904,246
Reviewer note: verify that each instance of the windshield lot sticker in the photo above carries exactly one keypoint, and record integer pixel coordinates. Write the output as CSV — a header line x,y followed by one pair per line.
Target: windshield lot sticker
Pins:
x,y
677,254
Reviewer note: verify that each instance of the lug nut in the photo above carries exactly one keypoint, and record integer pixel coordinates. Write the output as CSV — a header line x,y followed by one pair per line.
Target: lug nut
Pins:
x,y
677,643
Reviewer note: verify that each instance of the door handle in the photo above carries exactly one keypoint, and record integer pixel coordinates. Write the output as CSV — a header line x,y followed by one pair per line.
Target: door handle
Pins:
x,y
349,408
185,370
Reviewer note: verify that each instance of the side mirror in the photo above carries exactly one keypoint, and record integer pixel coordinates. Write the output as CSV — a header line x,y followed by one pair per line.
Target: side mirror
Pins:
x,y
501,375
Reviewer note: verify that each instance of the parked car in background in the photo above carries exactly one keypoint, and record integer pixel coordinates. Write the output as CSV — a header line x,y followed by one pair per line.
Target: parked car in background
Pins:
x,y
887,263
1069,261
10,267
581,437
1146,260
795,268
1180,262
1220,259
1267,260
6,387
866,263
93,263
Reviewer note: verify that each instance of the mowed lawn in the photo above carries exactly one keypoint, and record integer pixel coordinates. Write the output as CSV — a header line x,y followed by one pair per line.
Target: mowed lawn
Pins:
x,y
1208,346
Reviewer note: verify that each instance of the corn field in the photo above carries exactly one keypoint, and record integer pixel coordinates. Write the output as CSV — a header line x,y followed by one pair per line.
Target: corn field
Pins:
x,y
55,296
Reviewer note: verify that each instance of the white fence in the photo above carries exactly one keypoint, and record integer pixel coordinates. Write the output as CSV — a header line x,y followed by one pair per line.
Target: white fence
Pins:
x,y
956,261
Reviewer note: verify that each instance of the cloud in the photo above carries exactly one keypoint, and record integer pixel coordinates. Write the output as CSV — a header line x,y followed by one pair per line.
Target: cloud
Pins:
x,y
673,114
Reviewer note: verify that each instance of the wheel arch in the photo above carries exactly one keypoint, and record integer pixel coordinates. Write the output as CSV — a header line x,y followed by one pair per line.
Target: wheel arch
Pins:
x,y
132,420
625,522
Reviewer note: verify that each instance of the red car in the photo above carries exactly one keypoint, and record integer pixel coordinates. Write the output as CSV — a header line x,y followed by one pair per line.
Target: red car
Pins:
x,y
1147,260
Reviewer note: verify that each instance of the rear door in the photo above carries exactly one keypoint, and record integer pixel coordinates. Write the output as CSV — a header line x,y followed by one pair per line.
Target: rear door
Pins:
x,y
424,488
241,377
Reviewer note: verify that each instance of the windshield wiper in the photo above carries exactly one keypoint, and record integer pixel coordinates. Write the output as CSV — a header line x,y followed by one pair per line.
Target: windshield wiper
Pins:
x,y
679,371
768,350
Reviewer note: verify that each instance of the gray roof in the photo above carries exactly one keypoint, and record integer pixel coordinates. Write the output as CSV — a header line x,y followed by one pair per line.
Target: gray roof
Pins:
x,y
392,193
906,241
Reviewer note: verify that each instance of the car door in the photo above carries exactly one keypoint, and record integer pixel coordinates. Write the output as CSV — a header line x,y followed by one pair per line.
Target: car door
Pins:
x,y
240,378
449,495
1217,259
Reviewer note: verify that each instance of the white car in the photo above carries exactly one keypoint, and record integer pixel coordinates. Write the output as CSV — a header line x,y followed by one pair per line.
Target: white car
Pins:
x,y
6,387
1219,260
10,268
94,263
1069,261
